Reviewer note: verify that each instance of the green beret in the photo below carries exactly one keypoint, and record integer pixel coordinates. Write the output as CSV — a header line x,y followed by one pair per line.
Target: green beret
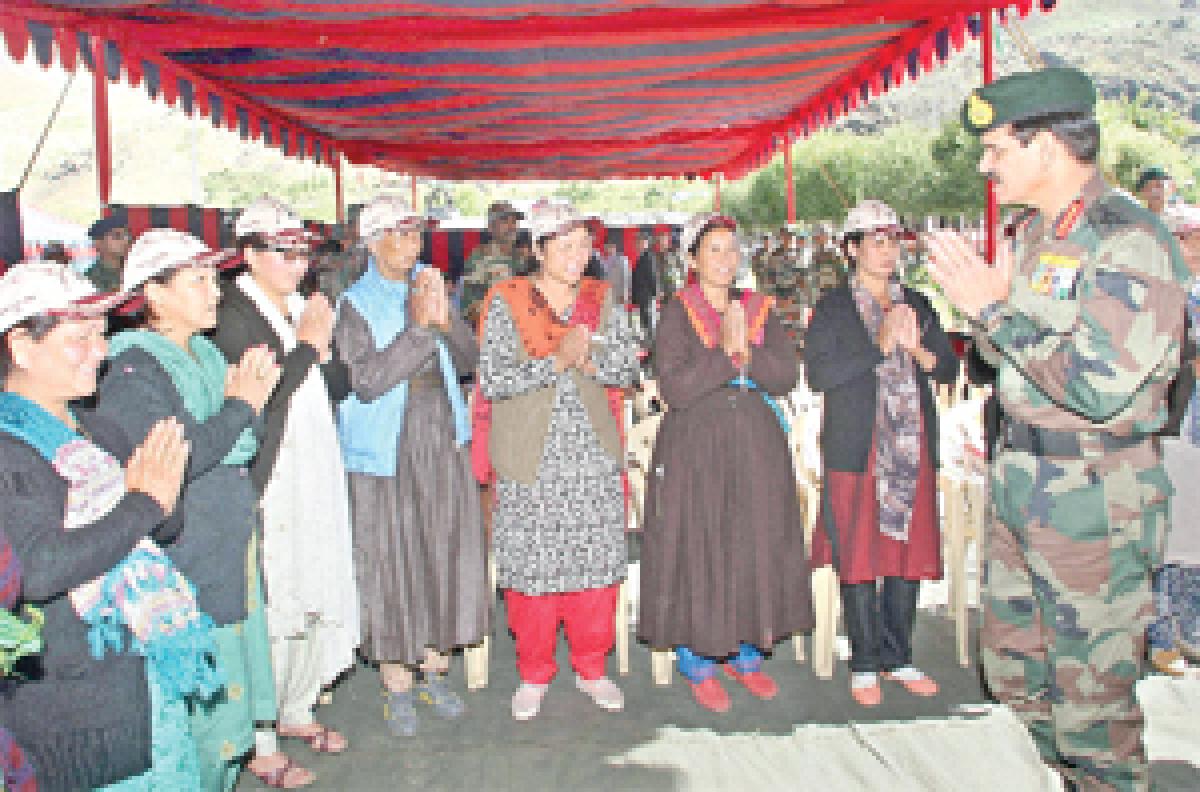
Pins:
x,y
1027,95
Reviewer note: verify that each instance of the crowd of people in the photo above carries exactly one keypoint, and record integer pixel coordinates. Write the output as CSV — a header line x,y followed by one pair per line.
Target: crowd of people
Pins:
x,y
220,488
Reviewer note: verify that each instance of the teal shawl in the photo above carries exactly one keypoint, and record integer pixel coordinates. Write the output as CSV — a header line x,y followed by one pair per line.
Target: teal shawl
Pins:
x,y
199,378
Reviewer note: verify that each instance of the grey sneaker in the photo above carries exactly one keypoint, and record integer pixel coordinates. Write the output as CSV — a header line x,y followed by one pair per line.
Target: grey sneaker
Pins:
x,y
434,692
400,713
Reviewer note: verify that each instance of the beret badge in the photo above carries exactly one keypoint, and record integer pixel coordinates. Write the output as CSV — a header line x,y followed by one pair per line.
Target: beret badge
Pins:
x,y
980,112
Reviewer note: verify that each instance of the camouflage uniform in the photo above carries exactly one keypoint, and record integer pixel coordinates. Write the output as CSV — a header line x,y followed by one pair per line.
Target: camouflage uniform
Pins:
x,y
488,265
783,279
1086,346
828,271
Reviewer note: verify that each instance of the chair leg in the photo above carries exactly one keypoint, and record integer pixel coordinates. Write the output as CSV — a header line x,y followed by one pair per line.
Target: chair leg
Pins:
x,y
825,606
974,527
622,628
475,664
955,506
661,664
475,658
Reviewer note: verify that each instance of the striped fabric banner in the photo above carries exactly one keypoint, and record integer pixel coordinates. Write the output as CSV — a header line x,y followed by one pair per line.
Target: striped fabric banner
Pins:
x,y
511,89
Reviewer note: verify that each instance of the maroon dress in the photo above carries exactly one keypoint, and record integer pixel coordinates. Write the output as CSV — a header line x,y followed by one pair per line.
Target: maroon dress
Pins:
x,y
850,508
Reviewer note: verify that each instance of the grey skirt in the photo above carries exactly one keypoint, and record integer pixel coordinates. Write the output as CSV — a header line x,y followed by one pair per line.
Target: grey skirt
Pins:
x,y
418,542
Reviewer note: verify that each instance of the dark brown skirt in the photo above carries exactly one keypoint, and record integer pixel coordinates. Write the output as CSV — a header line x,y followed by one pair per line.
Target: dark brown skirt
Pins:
x,y
723,558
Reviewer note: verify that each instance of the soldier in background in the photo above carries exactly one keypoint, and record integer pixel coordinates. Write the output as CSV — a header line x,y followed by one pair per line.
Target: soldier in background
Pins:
x,y
493,261
1084,321
1155,189
784,279
659,274
338,262
111,238
828,264
523,253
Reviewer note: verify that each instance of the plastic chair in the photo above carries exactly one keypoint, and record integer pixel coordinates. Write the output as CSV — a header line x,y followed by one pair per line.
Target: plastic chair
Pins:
x,y
639,449
475,658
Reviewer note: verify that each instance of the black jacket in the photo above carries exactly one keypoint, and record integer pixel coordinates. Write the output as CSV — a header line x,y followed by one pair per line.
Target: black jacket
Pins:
x,y
84,722
218,507
840,359
1180,392
645,285
241,326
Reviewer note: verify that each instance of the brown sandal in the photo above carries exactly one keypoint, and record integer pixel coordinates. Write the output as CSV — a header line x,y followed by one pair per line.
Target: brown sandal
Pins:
x,y
276,779
320,741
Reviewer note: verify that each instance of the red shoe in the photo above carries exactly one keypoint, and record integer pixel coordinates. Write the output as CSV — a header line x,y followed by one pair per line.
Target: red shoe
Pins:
x,y
916,683
711,695
867,695
757,682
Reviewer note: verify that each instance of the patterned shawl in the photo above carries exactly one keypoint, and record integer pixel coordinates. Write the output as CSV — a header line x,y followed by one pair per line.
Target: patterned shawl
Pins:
x,y
897,421
144,593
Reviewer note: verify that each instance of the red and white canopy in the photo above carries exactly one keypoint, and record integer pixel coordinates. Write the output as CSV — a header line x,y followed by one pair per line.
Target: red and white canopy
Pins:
x,y
510,89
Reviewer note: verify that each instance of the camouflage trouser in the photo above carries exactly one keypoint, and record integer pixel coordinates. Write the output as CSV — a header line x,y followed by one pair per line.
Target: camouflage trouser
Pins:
x,y
1070,550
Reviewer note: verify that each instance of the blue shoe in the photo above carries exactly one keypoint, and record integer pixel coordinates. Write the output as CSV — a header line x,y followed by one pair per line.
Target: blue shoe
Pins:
x,y
434,692
400,712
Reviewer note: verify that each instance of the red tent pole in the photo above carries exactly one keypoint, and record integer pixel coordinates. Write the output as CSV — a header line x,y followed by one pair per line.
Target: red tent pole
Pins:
x,y
791,183
991,212
716,192
100,115
339,197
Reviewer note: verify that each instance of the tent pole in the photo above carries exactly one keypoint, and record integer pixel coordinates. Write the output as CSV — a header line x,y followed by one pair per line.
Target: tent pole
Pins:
x,y
791,182
987,41
716,192
339,197
100,116
413,176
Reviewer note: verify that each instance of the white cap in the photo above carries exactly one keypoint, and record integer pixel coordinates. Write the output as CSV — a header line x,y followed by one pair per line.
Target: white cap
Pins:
x,y
871,215
1180,218
386,213
274,221
696,225
161,249
547,218
33,288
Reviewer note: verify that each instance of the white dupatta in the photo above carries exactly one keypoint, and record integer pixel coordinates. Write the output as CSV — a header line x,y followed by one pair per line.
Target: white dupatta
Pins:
x,y
308,553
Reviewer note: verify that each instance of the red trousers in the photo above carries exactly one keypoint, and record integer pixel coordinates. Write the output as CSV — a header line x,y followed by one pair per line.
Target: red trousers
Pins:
x,y
589,616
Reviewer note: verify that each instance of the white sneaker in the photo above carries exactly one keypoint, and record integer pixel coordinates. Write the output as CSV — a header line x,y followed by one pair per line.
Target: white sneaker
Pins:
x,y
603,691
527,701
